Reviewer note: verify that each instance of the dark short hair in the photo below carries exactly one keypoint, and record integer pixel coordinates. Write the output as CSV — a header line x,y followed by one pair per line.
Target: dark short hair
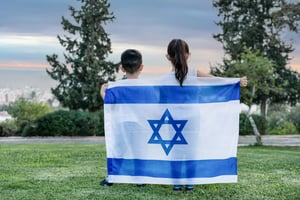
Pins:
x,y
131,60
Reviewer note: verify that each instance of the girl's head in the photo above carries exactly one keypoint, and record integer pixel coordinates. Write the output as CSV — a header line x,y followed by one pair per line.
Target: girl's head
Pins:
x,y
178,53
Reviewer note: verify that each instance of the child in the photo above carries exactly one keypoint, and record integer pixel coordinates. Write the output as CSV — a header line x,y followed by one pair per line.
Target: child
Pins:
x,y
178,53
131,65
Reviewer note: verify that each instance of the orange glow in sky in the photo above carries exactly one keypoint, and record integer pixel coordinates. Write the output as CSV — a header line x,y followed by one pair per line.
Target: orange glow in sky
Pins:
x,y
23,65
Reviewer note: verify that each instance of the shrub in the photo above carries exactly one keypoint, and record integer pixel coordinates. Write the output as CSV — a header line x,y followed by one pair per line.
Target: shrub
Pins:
x,y
8,128
274,119
246,128
261,123
283,128
283,120
101,123
294,116
66,123
24,111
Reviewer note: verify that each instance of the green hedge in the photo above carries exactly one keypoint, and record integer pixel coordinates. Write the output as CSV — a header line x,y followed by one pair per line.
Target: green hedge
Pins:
x,y
67,123
80,123
283,128
246,128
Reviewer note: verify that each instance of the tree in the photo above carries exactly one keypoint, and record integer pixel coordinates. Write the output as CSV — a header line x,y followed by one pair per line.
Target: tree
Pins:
x,y
24,111
259,25
260,74
294,116
87,47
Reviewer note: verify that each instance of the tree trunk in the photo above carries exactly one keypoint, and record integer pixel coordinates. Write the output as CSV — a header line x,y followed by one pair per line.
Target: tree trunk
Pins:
x,y
263,111
255,130
263,108
252,122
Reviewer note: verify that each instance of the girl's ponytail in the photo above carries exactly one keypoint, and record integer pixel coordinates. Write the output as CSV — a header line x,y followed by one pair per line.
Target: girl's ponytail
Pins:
x,y
178,51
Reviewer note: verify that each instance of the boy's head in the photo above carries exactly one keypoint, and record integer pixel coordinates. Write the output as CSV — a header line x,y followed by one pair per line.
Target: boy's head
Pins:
x,y
131,61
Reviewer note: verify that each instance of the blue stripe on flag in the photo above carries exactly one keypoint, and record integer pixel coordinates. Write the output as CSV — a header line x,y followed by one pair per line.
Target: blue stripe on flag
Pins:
x,y
172,94
172,169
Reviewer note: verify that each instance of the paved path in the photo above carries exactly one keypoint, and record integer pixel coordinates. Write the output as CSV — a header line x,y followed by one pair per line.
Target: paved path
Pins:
x,y
274,140
28,140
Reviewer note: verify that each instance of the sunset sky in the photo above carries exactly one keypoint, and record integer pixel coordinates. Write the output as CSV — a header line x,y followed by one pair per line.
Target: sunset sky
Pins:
x,y
28,30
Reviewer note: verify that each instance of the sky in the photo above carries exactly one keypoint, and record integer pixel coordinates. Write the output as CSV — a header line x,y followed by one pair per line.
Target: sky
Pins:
x,y
29,29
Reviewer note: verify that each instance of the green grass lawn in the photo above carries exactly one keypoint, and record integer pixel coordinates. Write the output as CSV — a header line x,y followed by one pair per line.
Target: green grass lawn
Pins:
x,y
73,171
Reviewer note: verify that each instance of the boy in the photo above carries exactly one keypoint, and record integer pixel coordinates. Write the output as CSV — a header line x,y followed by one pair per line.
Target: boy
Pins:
x,y
131,65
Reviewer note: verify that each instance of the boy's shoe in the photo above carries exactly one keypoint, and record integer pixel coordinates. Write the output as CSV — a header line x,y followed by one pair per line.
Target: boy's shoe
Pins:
x,y
189,188
105,183
177,188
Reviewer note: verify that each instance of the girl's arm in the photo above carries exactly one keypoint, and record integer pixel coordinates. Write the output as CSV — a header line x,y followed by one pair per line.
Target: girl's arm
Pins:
x,y
202,74
243,80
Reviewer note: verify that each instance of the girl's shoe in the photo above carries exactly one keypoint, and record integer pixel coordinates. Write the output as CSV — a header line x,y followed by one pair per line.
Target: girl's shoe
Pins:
x,y
177,188
189,188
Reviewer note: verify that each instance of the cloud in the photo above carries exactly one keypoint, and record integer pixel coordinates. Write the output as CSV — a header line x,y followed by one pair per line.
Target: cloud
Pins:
x,y
29,30
159,21
25,40
14,48
150,25
33,17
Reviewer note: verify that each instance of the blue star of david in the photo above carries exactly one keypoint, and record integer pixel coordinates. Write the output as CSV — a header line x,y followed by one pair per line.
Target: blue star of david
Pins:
x,y
177,125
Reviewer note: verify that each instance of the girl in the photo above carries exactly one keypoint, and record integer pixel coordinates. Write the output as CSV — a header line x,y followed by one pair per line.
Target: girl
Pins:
x,y
178,53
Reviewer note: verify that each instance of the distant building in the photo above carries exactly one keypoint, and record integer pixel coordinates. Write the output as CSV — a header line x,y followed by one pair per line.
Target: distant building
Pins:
x,y
4,116
8,95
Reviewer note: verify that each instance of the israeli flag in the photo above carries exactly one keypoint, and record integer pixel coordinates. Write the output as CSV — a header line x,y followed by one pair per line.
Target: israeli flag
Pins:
x,y
158,132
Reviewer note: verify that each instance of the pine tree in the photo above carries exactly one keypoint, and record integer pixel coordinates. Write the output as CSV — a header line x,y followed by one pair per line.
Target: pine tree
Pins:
x,y
87,47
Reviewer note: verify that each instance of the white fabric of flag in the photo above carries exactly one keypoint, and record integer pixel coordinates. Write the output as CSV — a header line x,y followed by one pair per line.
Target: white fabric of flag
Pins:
x,y
158,132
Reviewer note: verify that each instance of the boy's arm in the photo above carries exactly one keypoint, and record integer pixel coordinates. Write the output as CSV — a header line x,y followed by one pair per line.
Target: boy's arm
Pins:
x,y
103,89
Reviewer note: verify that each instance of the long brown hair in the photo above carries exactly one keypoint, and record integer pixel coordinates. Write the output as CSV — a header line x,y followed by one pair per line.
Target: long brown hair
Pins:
x,y
177,51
